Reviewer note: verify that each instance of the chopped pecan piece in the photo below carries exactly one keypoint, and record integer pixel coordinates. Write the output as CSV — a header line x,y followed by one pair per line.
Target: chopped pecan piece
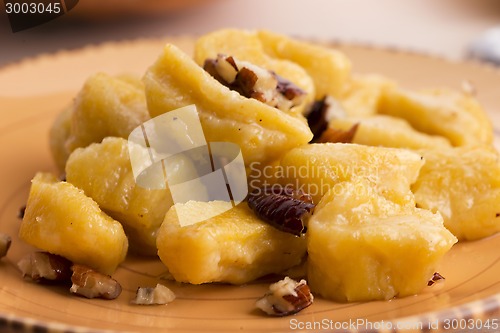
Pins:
x,y
255,82
288,89
92,284
157,295
221,69
45,267
245,82
320,114
435,279
282,207
337,135
286,297
5,242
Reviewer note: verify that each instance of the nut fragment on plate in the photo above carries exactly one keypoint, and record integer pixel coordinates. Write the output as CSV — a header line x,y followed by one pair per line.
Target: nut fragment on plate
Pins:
x,y
436,278
255,82
157,295
286,297
91,284
45,267
284,208
5,242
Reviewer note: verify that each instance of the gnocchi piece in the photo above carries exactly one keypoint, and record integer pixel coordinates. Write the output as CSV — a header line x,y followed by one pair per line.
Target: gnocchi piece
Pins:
x,y
330,69
105,106
456,116
316,168
463,184
362,93
363,246
386,131
59,133
104,172
233,246
263,132
62,220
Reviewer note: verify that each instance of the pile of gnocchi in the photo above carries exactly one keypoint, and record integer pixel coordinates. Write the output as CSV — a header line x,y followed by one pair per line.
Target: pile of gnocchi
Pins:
x,y
357,185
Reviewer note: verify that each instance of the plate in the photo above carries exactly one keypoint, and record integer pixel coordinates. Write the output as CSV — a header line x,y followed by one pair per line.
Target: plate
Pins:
x,y
35,90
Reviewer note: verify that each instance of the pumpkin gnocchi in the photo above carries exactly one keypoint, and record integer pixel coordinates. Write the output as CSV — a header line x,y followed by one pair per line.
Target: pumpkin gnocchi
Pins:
x,y
367,214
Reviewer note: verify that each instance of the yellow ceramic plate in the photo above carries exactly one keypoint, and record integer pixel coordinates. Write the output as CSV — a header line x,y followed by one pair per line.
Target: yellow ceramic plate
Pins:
x,y
34,91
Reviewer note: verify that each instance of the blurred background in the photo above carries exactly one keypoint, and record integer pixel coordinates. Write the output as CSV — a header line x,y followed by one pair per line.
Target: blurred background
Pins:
x,y
439,27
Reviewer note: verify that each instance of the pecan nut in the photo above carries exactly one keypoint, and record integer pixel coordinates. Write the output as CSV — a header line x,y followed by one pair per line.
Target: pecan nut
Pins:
x,y
286,297
92,284
45,267
336,135
282,207
320,114
252,81
436,278
157,295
